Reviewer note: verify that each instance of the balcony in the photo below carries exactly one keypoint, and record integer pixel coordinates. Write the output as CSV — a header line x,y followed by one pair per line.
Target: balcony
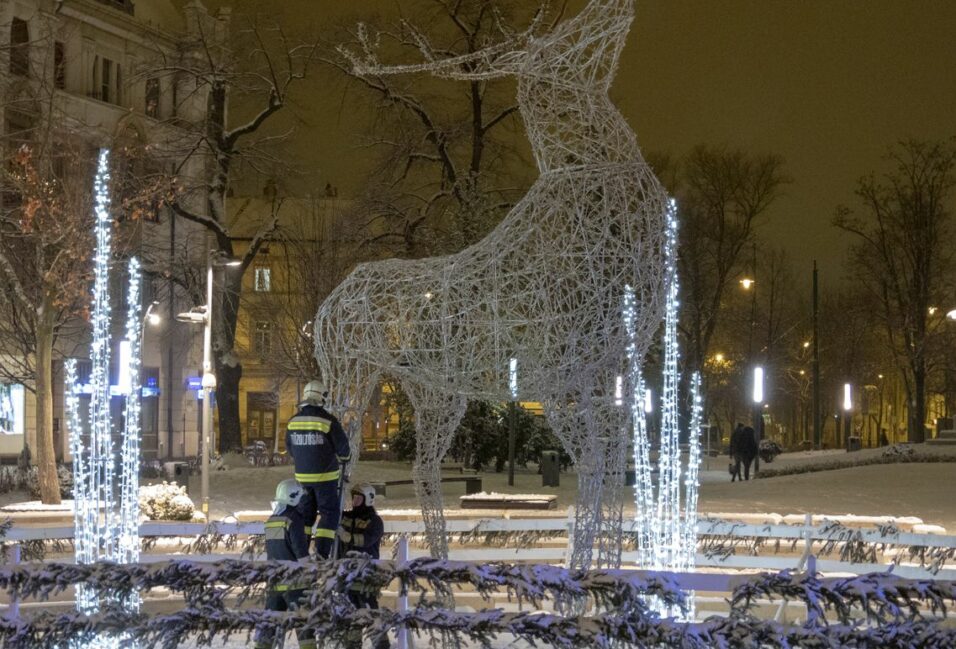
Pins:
x,y
122,5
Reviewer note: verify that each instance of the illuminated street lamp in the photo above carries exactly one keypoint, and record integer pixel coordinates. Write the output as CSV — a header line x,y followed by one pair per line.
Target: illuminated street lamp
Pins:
x,y
847,413
747,283
758,385
758,399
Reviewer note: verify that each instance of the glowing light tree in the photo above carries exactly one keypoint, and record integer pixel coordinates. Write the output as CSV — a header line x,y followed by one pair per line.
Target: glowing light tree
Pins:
x,y
106,512
666,533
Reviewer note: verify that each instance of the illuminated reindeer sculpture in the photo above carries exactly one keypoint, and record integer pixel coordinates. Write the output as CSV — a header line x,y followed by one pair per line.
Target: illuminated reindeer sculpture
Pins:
x,y
542,293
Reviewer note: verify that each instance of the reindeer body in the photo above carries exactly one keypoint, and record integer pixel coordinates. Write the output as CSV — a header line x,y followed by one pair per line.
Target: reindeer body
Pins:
x,y
545,287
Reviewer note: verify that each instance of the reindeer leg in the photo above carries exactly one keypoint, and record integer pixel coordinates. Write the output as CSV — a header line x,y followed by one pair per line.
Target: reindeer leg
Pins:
x,y
437,415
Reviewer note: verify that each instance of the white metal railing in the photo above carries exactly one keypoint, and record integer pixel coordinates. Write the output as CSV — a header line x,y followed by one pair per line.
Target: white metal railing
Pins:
x,y
700,581
807,534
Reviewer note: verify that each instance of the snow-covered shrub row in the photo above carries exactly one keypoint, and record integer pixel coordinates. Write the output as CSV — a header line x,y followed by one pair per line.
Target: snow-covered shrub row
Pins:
x,y
878,610
905,454
165,502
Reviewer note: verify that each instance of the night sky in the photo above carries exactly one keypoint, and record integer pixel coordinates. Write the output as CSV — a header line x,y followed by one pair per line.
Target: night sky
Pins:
x,y
827,84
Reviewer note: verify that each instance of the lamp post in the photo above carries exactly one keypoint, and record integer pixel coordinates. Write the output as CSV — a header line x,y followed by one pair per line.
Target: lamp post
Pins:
x,y
203,315
512,414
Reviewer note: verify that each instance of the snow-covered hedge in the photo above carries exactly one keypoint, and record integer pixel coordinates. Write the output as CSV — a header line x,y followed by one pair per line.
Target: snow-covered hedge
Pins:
x,y
165,502
892,455
877,610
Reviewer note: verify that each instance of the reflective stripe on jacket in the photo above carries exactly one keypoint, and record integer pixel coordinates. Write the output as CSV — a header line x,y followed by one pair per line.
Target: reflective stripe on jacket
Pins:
x,y
317,443
286,537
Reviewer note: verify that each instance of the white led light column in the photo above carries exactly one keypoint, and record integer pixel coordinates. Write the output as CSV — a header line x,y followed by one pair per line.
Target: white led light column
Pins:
x,y
105,529
666,535
129,543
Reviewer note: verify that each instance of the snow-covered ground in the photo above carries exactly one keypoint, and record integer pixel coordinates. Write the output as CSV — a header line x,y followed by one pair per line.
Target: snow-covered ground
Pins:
x,y
922,490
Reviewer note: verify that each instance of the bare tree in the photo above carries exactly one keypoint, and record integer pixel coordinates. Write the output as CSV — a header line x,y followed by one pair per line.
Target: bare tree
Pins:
x,y
243,70
310,253
721,196
448,162
902,255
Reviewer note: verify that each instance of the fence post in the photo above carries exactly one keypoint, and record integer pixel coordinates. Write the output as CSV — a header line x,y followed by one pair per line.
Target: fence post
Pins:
x,y
569,552
404,637
14,612
801,563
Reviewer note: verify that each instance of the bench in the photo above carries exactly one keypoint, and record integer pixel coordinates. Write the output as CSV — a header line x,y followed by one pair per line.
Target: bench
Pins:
x,y
509,501
472,484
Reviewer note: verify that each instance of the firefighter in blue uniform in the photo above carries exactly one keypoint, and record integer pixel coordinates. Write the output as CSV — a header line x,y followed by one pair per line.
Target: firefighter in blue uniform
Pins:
x,y
286,540
361,530
320,448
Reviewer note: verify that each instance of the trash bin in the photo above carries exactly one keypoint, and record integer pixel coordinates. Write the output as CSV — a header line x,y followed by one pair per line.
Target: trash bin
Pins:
x,y
550,469
853,443
630,477
176,472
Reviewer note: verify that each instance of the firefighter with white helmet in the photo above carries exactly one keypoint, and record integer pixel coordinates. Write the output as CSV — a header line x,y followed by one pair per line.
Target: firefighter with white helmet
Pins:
x,y
361,531
320,449
286,540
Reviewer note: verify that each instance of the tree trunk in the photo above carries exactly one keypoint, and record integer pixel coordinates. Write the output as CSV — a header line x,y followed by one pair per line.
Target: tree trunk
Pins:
x,y
918,406
45,452
228,365
228,375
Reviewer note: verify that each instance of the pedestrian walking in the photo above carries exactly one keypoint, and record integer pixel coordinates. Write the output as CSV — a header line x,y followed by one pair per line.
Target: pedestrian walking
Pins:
x,y
743,451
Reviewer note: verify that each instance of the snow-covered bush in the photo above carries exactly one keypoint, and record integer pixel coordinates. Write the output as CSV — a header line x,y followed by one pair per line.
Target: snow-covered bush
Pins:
x,y
165,502
769,449
64,477
899,451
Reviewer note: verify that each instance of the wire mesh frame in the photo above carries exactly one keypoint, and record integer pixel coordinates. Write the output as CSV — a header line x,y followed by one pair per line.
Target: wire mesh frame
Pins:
x,y
545,287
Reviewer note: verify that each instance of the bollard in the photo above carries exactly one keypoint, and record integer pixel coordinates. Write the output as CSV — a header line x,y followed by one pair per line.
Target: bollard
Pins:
x,y
14,612
404,637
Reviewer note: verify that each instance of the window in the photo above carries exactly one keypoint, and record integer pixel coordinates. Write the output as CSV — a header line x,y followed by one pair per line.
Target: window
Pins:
x,y
263,279
106,74
107,80
152,97
263,337
19,47
59,65
12,409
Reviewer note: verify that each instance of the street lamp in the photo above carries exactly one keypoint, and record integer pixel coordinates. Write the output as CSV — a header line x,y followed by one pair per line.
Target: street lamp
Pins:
x,y
758,398
203,315
847,413
152,318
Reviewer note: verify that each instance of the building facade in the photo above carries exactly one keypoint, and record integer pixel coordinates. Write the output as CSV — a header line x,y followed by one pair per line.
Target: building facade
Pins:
x,y
82,67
